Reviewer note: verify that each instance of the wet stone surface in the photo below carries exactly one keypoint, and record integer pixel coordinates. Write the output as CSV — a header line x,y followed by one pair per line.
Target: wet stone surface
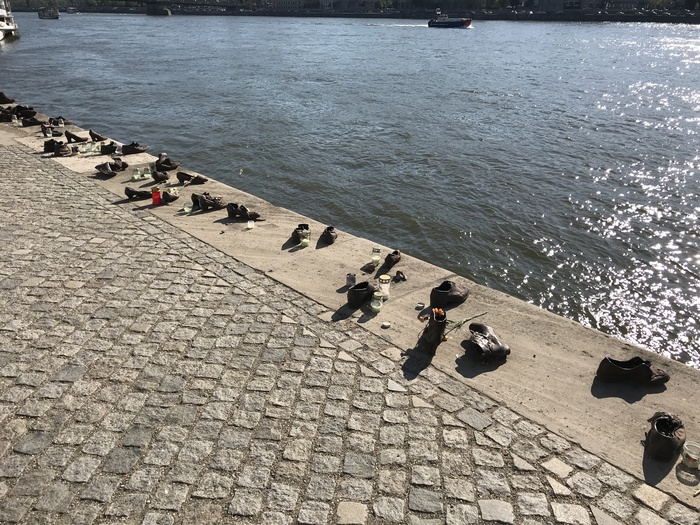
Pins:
x,y
146,378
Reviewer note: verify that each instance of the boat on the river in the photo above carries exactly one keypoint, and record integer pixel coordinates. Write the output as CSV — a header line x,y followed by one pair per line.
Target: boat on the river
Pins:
x,y
8,26
442,20
49,13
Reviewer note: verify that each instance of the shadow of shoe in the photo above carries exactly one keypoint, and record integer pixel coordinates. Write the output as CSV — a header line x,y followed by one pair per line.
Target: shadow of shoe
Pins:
x,y
690,477
102,176
469,365
627,392
655,470
344,312
342,289
289,244
418,360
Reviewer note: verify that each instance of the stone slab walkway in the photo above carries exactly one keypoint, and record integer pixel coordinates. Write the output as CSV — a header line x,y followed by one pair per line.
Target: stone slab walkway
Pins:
x,y
147,378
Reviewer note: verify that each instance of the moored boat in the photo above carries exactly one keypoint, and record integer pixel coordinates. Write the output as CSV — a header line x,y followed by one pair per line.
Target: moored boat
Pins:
x,y
8,26
442,20
49,13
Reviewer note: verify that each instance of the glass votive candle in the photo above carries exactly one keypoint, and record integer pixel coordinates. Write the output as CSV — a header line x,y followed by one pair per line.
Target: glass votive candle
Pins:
x,y
250,225
384,284
305,238
375,255
377,301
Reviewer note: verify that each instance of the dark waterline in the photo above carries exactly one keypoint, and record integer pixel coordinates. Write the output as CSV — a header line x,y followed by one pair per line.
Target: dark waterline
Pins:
x,y
554,162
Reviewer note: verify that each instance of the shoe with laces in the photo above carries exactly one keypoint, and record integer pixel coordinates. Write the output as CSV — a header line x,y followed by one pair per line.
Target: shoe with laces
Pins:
x,y
486,344
329,235
133,148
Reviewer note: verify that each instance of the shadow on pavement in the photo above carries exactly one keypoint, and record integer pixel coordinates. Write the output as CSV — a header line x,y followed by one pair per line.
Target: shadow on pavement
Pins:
x,y
627,392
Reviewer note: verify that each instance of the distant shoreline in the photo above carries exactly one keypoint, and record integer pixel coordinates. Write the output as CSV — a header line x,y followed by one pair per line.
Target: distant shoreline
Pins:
x,y
508,15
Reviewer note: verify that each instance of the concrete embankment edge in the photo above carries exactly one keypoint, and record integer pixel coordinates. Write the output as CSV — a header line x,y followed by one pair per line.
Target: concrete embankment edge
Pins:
x,y
549,377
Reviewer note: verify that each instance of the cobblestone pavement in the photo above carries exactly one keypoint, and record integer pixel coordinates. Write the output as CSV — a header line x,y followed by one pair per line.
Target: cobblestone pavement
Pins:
x,y
148,378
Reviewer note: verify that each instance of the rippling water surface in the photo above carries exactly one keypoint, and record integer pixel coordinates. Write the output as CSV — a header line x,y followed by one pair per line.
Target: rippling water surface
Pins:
x,y
555,162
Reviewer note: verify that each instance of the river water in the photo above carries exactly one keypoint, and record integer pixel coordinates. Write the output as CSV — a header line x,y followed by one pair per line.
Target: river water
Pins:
x,y
556,162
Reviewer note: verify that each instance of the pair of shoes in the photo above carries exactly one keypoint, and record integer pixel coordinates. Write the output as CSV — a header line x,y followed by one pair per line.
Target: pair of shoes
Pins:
x,y
392,259
236,211
299,233
360,293
160,176
133,148
666,436
4,99
31,121
51,145
165,164
62,150
186,178
108,149
434,333
96,137
48,131
131,193
635,370
447,294
112,168
205,201
329,235
486,343
72,137
58,121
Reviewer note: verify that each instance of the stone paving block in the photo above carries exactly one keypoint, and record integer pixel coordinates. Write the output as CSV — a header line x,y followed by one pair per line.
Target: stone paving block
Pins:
x,y
496,510
646,517
571,514
651,496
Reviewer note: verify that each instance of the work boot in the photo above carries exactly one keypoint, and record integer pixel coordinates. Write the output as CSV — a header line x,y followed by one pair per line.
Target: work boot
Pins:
x,y
360,293
297,234
434,333
666,436
329,235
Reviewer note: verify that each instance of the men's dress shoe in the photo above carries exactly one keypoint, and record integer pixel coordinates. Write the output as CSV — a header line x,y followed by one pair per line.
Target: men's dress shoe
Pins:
x,y
666,436
186,178
106,169
206,202
360,293
635,370
96,137
165,164
167,197
329,235
133,148
4,99
160,176
62,150
392,259
131,193
447,294
486,343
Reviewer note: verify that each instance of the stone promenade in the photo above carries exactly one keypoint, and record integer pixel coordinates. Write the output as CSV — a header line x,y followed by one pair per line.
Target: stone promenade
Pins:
x,y
147,378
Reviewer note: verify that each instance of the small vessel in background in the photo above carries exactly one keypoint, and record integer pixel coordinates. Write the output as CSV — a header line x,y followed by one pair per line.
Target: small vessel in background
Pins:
x,y
49,13
442,20
72,10
8,26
